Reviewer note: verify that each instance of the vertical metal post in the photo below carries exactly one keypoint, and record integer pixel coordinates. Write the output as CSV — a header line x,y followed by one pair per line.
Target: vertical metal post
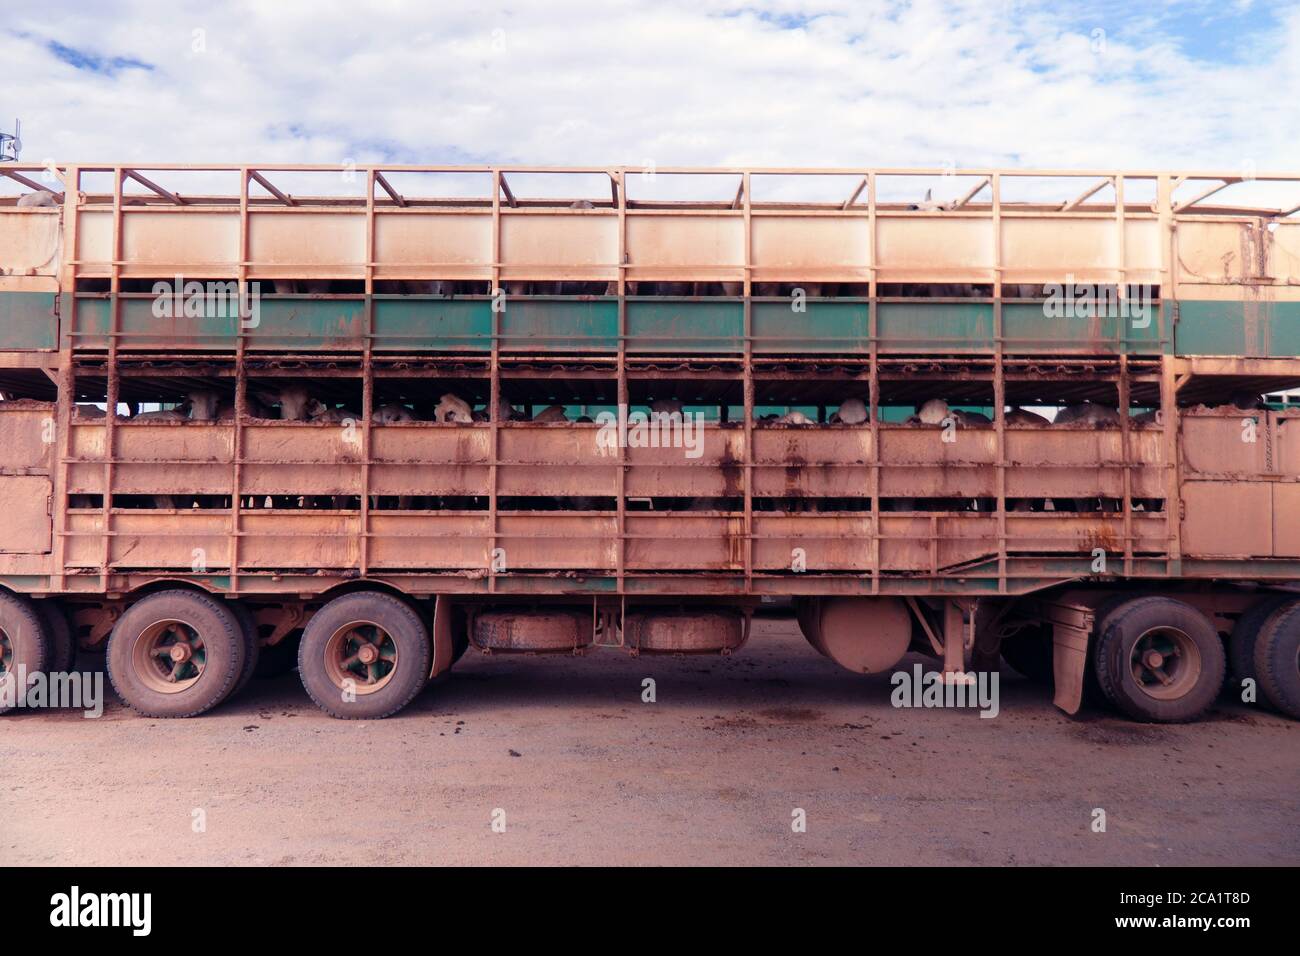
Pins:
x,y
66,377
494,394
368,374
110,405
622,389
241,396
1167,317
1126,456
999,386
748,373
873,340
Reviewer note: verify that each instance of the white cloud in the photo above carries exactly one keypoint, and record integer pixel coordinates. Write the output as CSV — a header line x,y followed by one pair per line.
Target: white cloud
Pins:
x,y
692,83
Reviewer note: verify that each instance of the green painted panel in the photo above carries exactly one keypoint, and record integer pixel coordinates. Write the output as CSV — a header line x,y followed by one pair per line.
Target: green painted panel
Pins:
x,y
699,326
277,322
1257,329
29,320
686,326
1032,327
139,327
826,327
935,326
560,325
449,325
293,322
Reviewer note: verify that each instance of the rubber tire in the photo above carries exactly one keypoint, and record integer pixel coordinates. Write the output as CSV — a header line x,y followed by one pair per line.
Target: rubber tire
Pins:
x,y
1241,643
221,632
31,647
58,631
252,643
1275,659
1093,693
403,624
1123,626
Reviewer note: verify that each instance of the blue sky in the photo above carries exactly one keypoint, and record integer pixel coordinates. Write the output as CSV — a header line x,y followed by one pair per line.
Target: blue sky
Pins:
x,y
1187,84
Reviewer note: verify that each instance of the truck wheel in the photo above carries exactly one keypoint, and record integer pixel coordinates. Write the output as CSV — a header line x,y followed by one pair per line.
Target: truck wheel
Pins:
x,y
364,655
1159,659
1277,659
63,643
1241,643
252,643
175,654
23,646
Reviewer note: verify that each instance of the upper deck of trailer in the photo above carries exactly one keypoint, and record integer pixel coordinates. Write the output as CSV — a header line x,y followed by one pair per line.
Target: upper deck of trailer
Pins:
x,y
885,269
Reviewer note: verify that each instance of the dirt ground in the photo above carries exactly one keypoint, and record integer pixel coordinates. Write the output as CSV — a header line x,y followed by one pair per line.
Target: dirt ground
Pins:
x,y
582,771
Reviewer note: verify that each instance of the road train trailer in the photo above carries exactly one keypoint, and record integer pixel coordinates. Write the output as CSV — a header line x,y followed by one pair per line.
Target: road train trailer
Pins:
x,y
1147,554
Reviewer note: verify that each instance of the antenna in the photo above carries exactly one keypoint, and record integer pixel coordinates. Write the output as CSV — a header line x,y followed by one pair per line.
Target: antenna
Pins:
x,y
11,146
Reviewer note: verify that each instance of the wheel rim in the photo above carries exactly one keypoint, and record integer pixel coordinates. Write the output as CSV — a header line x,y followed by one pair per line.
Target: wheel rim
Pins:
x,y
170,656
1165,663
364,654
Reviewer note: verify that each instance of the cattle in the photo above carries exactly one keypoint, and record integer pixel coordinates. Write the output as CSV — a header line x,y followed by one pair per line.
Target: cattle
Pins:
x,y
929,204
206,405
293,402
553,413
932,412
388,413
36,200
1021,416
793,417
1088,414
452,408
320,413
852,411
936,411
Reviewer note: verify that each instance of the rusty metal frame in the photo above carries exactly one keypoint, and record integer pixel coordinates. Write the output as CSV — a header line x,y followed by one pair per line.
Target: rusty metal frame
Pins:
x,y
1169,373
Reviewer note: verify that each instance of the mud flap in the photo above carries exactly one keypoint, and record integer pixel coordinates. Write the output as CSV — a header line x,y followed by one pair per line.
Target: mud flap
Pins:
x,y
1069,661
443,651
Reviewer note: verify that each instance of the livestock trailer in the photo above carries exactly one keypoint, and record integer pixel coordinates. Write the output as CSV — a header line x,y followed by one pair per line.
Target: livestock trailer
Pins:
x,y
248,409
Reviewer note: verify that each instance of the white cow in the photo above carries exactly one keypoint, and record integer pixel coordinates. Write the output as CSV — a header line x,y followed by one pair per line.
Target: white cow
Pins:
x,y
36,200
852,411
452,408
